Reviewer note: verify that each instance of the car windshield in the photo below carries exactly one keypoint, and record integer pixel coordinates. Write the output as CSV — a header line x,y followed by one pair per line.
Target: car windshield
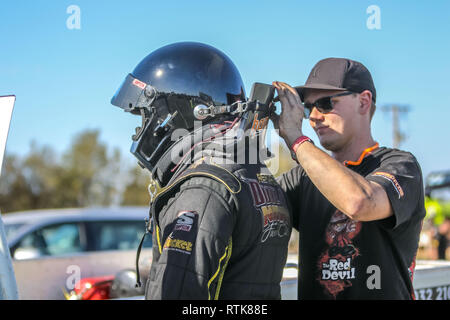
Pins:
x,y
51,240
11,229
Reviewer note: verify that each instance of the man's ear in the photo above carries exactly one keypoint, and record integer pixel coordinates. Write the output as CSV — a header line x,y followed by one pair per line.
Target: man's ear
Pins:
x,y
365,99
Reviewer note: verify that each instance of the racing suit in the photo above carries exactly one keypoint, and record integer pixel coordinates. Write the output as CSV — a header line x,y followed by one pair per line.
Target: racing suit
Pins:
x,y
220,232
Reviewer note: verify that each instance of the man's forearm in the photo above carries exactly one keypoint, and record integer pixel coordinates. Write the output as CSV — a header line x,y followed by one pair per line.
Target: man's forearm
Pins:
x,y
348,191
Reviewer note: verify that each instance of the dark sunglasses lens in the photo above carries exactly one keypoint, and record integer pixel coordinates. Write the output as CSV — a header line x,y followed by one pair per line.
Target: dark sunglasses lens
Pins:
x,y
324,105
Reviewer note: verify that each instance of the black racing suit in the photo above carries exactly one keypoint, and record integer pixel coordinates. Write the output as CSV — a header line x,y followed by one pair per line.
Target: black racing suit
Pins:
x,y
220,232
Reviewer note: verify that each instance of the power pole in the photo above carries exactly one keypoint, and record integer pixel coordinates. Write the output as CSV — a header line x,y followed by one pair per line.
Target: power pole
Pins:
x,y
397,136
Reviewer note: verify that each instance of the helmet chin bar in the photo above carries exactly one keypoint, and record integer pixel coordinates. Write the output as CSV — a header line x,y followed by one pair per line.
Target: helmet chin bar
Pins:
x,y
146,117
148,131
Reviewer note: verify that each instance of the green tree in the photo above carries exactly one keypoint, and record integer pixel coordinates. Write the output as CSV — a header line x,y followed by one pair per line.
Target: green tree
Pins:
x,y
40,170
87,174
89,171
135,193
14,189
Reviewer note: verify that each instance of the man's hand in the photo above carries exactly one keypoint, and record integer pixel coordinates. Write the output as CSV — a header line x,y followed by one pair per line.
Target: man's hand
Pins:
x,y
289,122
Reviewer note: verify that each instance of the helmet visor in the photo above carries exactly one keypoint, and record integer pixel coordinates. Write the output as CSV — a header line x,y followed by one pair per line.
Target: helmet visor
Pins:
x,y
128,94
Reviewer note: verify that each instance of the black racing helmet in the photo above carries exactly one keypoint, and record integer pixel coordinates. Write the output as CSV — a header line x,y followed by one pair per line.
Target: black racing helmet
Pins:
x,y
189,70
167,85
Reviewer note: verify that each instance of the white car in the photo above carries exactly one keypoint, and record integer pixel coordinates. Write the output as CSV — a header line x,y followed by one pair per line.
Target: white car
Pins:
x,y
53,250
61,232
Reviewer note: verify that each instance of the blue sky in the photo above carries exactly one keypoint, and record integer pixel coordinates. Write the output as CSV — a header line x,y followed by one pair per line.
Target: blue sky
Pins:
x,y
64,79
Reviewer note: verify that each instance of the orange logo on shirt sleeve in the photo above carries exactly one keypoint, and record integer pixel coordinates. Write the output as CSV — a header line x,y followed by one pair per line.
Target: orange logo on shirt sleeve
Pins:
x,y
392,179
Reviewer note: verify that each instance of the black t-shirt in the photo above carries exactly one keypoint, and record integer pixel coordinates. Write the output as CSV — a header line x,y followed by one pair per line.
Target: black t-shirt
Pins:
x,y
340,258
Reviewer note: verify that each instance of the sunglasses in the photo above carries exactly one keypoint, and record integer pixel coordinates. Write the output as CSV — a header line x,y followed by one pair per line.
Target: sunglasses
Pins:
x,y
324,105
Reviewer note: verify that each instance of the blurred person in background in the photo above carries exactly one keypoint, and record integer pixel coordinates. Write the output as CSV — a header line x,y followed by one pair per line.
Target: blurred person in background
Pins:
x,y
436,230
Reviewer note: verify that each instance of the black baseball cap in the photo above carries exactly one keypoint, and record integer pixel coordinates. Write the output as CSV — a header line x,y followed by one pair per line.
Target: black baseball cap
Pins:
x,y
339,74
